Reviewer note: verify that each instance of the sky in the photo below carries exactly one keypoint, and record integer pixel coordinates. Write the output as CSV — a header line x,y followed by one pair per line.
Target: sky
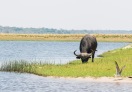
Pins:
x,y
67,14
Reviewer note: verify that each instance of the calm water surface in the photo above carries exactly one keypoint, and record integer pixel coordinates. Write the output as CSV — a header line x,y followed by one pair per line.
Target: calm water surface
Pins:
x,y
57,52
16,82
54,52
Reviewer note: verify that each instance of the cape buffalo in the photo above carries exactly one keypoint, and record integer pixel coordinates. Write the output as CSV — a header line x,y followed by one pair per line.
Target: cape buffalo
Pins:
x,y
88,47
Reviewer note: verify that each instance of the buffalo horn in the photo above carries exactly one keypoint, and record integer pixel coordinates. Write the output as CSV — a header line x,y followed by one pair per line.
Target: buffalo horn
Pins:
x,y
86,54
76,54
82,54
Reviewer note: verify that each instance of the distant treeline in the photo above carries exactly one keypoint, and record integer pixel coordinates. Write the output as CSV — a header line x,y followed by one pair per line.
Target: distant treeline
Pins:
x,y
19,30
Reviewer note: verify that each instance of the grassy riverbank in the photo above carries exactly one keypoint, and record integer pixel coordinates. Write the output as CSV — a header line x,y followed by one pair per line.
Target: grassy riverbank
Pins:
x,y
104,66
66,37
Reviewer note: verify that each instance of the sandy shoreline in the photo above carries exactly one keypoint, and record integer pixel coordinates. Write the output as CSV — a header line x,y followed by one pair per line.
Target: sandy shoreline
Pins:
x,y
99,79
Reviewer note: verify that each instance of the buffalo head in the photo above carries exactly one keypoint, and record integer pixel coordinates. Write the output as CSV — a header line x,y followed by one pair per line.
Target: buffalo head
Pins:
x,y
84,56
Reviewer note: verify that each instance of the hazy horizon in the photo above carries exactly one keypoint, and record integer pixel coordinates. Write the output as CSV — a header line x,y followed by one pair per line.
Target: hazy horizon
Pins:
x,y
65,29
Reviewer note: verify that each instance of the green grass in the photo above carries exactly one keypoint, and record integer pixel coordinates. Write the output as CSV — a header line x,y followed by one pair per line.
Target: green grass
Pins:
x,y
104,66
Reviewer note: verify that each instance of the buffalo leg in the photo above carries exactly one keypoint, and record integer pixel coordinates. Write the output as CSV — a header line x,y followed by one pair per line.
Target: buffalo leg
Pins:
x,y
93,56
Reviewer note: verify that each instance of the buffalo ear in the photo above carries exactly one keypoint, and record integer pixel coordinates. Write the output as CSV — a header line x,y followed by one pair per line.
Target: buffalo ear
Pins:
x,y
78,57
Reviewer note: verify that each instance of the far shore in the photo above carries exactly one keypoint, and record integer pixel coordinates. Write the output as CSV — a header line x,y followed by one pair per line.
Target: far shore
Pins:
x,y
65,37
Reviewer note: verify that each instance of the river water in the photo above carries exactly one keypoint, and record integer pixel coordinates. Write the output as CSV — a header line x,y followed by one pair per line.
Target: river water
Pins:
x,y
16,82
55,52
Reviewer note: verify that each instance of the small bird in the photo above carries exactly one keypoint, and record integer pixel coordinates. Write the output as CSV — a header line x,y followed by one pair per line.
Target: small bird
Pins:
x,y
118,70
